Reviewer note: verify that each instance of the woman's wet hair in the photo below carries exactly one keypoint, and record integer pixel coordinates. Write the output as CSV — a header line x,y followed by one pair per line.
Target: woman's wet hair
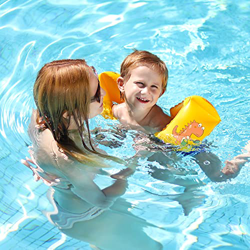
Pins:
x,y
62,93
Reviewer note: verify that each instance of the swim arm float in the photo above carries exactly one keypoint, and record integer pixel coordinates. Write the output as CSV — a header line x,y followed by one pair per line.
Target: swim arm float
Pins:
x,y
192,120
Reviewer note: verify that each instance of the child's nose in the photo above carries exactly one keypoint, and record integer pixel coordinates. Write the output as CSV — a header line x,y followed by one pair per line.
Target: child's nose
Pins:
x,y
145,90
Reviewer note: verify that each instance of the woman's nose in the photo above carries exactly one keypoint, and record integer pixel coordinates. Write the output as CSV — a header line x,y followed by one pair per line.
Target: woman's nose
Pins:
x,y
103,92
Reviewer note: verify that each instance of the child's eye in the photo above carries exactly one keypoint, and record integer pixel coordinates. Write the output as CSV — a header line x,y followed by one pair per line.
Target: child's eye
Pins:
x,y
140,84
154,86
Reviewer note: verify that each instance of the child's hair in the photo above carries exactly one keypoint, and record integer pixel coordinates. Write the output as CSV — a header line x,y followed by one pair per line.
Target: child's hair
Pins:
x,y
144,58
62,91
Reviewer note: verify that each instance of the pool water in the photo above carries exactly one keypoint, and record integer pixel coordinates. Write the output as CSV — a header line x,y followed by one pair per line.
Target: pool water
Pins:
x,y
206,47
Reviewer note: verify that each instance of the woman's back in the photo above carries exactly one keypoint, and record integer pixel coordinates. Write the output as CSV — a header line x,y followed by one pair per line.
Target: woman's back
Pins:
x,y
50,163
67,93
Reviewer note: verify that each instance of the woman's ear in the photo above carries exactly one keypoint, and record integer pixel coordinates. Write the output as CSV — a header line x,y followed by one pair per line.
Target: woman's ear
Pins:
x,y
120,83
65,115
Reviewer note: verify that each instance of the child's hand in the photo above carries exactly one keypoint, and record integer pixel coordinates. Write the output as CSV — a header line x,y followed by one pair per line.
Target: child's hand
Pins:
x,y
233,167
141,146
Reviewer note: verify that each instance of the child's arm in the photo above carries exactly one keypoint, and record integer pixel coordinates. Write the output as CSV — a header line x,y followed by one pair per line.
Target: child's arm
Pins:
x,y
159,119
233,167
211,165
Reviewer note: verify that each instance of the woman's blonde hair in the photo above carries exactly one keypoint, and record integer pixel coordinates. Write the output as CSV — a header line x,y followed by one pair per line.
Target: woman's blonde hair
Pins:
x,y
62,92
144,58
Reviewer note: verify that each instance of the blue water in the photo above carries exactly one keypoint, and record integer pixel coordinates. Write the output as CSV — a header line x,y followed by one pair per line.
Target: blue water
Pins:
x,y
206,47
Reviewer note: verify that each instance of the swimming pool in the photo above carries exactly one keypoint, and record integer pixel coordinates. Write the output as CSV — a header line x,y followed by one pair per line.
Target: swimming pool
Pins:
x,y
205,45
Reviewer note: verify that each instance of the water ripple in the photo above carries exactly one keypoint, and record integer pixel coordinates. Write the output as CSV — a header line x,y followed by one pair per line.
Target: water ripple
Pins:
x,y
205,45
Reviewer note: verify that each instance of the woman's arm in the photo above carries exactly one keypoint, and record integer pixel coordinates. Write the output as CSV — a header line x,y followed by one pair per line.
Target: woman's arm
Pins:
x,y
85,188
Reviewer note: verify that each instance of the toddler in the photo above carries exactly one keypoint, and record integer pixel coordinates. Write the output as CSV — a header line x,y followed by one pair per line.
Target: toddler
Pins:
x,y
143,79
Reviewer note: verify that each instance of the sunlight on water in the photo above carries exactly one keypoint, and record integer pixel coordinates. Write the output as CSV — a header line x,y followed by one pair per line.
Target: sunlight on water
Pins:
x,y
8,228
190,239
205,45
58,243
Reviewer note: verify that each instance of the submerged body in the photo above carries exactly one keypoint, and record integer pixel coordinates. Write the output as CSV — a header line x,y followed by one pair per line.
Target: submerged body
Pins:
x,y
67,93
90,214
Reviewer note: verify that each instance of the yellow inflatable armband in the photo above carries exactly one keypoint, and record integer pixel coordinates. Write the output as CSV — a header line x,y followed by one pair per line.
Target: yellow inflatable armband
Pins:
x,y
192,120
108,83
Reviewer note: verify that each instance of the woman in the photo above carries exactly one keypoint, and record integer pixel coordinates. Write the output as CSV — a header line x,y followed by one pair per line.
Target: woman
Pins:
x,y
67,93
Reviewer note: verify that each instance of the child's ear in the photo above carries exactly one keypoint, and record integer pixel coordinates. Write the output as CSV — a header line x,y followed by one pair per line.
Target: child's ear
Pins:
x,y
120,83
163,91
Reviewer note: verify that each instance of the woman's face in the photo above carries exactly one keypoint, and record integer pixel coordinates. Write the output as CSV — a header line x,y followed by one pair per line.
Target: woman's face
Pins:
x,y
97,94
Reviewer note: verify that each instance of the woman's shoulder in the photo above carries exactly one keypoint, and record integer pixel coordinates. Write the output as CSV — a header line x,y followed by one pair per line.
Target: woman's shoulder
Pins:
x,y
44,144
48,154
39,138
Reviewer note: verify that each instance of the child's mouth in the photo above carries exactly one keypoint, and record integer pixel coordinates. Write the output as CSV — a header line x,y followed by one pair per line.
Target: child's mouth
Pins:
x,y
142,100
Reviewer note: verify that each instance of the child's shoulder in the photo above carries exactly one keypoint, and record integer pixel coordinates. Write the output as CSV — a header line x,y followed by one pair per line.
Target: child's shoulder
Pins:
x,y
118,110
158,119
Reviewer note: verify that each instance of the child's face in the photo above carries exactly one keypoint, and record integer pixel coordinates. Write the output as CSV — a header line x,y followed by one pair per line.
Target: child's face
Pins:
x,y
143,88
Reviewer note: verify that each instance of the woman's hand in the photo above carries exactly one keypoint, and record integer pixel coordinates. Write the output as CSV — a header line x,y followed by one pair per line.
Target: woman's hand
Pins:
x,y
127,172
123,174
28,163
